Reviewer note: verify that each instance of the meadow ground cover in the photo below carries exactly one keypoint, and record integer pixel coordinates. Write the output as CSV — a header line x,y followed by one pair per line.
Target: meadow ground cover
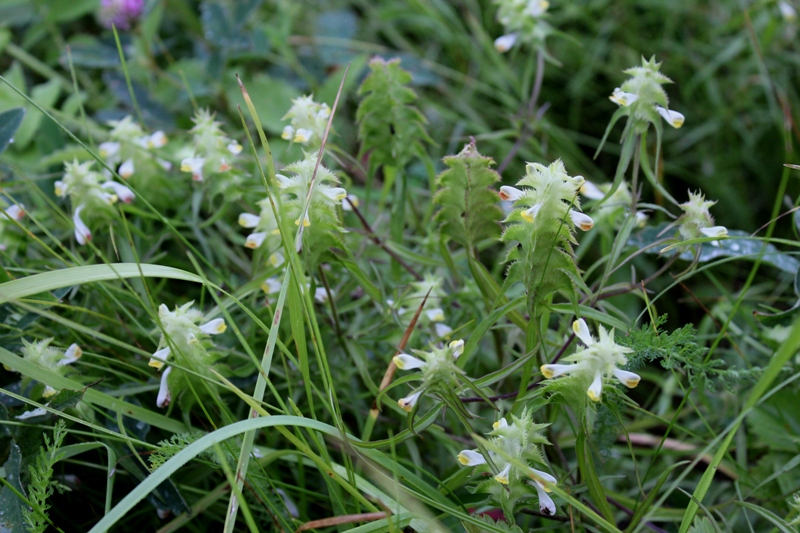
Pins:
x,y
482,266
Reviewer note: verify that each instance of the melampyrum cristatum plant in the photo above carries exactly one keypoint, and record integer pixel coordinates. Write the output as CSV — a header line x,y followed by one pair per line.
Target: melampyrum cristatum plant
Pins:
x,y
541,230
523,22
512,484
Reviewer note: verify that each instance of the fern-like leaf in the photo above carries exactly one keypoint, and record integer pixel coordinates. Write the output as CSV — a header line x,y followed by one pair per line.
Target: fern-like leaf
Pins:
x,y
390,127
469,207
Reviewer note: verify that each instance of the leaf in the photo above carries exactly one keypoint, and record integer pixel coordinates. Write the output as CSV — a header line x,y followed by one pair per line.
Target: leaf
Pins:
x,y
9,123
469,210
11,518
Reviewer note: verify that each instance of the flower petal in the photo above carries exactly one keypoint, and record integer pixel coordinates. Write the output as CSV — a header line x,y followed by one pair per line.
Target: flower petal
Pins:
x,y
13,212
234,147
673,118
214,327
596,388
72,354
164,395
248,220
716,231
582,331
302,135
126,169
271,285
502,477
500,424
404,361
505,43
553,371
457,347
442,330
337,194
157,361
629,379
122,192
82,233
591,191
108,149
546,505
157,140
530,214
471,458
254,240
408,403
510,194
435,315
288,133
622,98
584,222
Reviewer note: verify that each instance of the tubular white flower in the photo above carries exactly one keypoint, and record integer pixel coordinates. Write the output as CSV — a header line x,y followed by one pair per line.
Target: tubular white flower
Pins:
x,y
591,191
546,504
539,477
536,8
553,371
275,260
157,361
157,140
164,395
82,233
788,12
126,169
61,189
288,133
195,166
622,98
254,240
471,458
234,147
324,111
596,388
404,361
13,212
582,331
716,231
641,219
166,165
442,330
39,411
283,181
435,315
108,149
72,354
320,295
673,118
502,477
271,285
530,214
629,379
408,403
122,192
352,200
248,220
505,43
49,391
510,194
584,222
457,346
500,424
214,327
302,135
337,194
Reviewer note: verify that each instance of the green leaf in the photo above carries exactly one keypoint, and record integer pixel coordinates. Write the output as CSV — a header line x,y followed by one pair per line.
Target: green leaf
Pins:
x,y
9,123
469,210
11,518
589,475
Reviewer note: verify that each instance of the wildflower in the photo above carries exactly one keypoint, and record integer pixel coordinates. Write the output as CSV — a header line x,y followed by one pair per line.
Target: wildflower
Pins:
x,y
195,166
523,22
520,441
213,151
696,221
643,98
622,98
408,403
108,149
126,169
442,330
597,361
271,286
7,214
505,42
53,359
164,396
82,233
234,147
438,369
788,12
121,191
182,329
308,121
352,202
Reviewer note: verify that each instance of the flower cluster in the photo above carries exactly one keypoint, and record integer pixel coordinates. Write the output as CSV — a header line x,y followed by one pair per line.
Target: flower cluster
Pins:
x,y
696,221
642,97
308,121
520,441
7,215
213,150
598,361
89,190
131,149
522,21
42,354
612,208
438,370
182,336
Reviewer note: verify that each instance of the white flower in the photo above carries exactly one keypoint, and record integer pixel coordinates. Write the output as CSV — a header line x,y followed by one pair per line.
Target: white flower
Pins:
x,y
502,477
580,329
546,505
61,188
715,231
82,233
404,361
505,43
510,194
592,191
254,240
553,371
157,361
320,295
164,396
288,133
13,212
275,260
622,98
156,140
435,315
41,411
530,214
72,354
500,424
337,194
195,166
108,149
457,347
536,8
629,379
302,135
214,327
49,391
352,200
673,118
247,220
271,285
166,165
126,169
408,403
234,147
442,330
584,222
122,192
788,11
471,458
596,388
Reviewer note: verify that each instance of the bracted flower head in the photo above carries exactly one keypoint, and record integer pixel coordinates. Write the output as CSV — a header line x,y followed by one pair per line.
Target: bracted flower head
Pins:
x,y
600,360
696,221
523,22
438,367
643,99
212,154
184,329
309,120
519,440
42,354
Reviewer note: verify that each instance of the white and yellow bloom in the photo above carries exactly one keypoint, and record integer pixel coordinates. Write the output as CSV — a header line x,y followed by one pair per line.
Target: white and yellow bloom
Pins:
x,y
82,232
673,118
510,194
164,395
408,403
126,169
121,191
471,458
195,166
505,43
622,98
